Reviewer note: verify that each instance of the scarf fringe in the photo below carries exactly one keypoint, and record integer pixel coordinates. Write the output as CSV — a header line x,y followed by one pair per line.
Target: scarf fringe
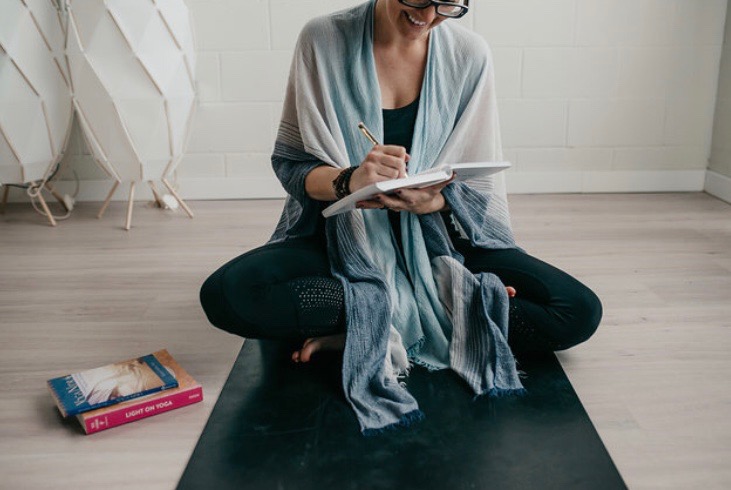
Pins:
x,y
502,393
416,347
430,367
406,421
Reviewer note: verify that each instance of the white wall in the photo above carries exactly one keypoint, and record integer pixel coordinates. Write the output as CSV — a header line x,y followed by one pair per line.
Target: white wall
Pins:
x,y
718,179
594,95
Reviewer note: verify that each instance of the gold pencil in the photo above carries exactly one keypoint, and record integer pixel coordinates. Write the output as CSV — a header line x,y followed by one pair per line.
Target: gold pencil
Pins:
x,y
367,133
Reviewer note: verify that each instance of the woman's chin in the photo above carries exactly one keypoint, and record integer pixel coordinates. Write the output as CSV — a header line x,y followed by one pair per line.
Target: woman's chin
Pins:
x,y
411,30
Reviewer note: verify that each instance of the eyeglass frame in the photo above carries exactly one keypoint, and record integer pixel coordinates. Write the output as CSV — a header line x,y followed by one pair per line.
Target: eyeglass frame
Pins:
x,y
437,3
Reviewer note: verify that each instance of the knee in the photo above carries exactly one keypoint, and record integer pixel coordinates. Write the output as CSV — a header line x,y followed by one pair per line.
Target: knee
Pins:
x,y
215,294
211,299
585,314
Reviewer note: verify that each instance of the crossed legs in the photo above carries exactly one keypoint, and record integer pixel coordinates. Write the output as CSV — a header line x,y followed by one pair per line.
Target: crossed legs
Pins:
x,y
286,291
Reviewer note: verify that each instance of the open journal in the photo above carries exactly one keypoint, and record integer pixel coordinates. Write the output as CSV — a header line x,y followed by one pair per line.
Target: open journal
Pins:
x,y
440,173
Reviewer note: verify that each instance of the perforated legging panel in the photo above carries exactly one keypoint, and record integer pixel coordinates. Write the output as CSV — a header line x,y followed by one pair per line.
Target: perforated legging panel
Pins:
x,y
320,305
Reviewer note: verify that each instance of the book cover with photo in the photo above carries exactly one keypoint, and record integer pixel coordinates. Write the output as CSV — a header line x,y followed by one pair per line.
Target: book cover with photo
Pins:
x,y
111,384
187,392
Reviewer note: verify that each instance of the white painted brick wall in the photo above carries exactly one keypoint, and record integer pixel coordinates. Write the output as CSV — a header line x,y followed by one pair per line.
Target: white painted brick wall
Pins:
x,y
526,22
289,16
222,127
533,122
570,72
231,25
616,122
588,88
266,82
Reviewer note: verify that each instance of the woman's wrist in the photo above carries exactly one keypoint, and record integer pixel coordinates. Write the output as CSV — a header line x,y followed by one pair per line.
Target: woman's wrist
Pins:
x,y
318,183
341,183
444,206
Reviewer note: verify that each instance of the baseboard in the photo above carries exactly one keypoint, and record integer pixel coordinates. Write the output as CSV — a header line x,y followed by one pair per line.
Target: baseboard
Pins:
x,y
189,189
517,183
718,185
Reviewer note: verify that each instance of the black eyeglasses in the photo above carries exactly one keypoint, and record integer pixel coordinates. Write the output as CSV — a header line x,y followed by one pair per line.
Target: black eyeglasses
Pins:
x,y
454,9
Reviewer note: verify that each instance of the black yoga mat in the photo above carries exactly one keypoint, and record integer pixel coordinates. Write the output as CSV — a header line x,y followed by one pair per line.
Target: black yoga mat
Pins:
x,y
281,425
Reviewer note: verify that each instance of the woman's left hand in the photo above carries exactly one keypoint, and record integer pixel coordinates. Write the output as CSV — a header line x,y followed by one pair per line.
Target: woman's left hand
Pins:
x,y
418,201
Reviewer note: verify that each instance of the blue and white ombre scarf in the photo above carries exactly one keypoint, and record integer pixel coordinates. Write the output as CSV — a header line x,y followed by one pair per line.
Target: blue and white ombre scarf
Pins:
x,y
449,317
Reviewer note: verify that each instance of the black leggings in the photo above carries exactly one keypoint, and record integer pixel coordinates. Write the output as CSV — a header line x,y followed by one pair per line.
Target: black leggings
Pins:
x,y
285,291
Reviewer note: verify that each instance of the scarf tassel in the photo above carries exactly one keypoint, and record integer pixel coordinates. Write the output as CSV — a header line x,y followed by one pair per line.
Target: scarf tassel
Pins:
x,y
501,393
406,421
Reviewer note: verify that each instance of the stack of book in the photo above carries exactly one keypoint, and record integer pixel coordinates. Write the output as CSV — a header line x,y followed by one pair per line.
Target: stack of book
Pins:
x,y
126,391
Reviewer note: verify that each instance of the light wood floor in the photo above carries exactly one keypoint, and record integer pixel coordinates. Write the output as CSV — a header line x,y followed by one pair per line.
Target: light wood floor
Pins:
x,y
654,378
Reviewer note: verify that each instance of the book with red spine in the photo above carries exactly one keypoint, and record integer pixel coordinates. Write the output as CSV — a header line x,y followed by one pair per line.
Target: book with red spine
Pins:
x,y
187,393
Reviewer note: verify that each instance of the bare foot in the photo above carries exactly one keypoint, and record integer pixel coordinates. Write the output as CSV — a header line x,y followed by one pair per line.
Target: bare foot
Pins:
x,y
314,344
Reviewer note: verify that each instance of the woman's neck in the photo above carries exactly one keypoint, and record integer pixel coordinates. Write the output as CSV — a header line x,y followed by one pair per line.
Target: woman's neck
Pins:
x,y
400,60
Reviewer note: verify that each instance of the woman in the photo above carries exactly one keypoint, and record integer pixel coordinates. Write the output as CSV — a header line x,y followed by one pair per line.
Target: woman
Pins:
x,y
420,276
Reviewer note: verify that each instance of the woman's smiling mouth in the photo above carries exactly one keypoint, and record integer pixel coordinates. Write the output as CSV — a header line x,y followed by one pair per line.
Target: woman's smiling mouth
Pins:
x,y
414,21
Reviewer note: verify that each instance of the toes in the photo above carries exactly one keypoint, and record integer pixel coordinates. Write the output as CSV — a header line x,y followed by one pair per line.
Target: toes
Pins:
x,y
307,351
297,355
314,344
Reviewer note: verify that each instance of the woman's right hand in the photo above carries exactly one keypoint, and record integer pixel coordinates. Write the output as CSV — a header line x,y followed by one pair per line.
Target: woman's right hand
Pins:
x,y
383,162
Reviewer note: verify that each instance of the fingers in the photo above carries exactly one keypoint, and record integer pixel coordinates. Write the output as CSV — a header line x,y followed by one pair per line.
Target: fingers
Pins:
x,y
393,150
394,203
383,162
370,204
412,195
387,161
400,201
391,169
391,166
511,291
407,198
422,194
382,201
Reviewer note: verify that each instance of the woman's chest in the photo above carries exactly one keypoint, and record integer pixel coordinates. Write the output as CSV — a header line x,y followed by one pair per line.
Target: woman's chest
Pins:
x,y
400,78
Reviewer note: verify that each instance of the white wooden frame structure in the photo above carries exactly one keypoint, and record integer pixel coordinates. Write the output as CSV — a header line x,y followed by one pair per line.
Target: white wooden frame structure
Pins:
x,y
132,66
34,91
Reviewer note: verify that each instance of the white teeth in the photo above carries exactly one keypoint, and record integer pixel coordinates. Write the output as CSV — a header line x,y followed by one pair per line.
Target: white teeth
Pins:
x,y
414,21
